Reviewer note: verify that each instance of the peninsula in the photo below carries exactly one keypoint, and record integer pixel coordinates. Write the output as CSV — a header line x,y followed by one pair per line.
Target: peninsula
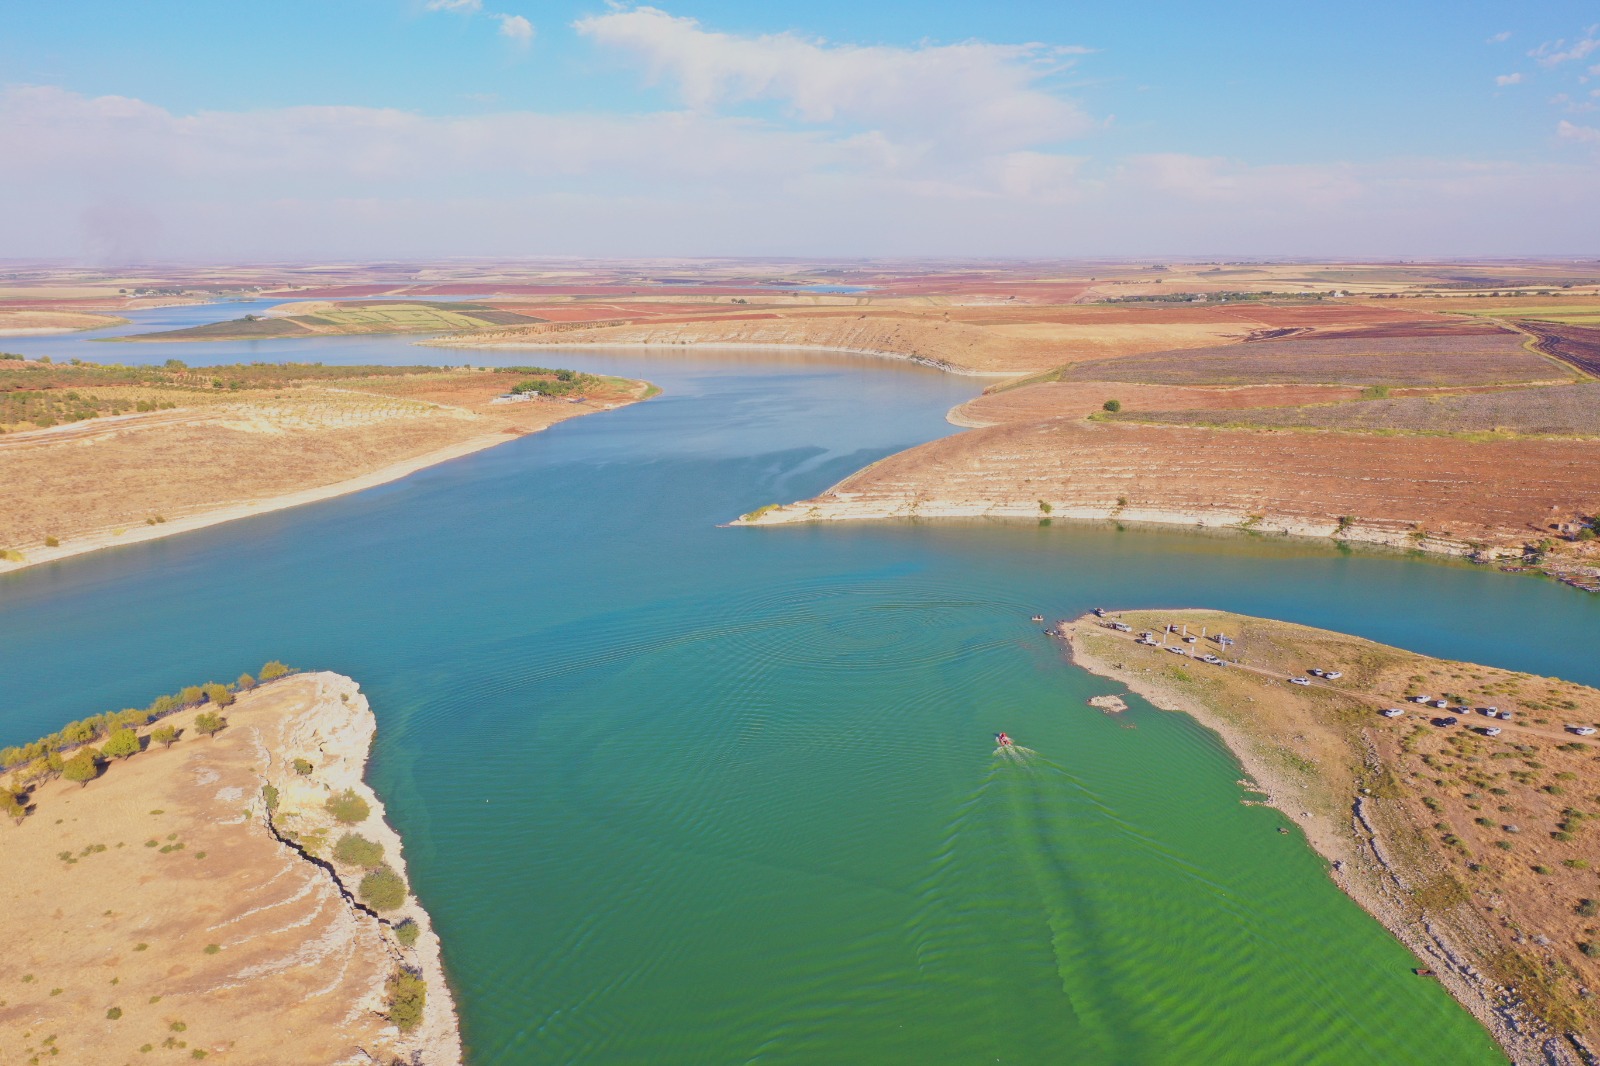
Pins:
x,y
92,456
1453,801
213,877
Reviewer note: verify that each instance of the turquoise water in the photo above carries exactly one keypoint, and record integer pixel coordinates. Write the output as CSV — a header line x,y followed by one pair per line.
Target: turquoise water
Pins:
x,y
678,793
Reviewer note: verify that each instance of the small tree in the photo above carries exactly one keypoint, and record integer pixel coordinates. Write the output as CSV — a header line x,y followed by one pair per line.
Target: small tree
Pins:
x,y
121,744
347,807
191,695
1112,405
408,995
273,670
245,683
353,849
82,767
382,889
209,724
218,695
13,806
303,767
164,735
407,932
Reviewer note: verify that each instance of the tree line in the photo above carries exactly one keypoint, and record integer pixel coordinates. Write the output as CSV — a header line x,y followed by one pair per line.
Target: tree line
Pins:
x,y
69,753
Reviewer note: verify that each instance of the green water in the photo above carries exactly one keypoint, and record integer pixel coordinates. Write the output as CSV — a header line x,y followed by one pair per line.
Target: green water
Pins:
x,y
682,794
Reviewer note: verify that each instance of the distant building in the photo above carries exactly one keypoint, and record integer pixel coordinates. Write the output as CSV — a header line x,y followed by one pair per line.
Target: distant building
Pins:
x,y
514,397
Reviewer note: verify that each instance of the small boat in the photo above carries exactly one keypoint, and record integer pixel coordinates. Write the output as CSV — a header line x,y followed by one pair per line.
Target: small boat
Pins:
x,y
1002,740
1421,972
1038,618
1099,612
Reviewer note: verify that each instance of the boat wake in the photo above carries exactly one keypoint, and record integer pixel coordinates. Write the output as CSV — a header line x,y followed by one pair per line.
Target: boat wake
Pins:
x,y
1014,752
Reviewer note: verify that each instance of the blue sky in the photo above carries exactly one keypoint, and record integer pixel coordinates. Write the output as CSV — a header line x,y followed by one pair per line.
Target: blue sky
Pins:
x,y
479,127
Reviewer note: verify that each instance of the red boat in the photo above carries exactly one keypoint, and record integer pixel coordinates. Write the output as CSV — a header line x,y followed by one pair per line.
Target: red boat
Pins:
x,y
1002,740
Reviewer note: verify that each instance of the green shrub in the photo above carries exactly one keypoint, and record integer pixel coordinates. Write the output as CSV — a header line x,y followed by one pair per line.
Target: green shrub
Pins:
x,y
269,796
218,695
1588,908
245,683
209,723
82,767
212,949
121,744
114,1013
52,542
1112,405
408,994
302,767
407,932
354,849
382,889
348,808
164,735
1590,949
273,670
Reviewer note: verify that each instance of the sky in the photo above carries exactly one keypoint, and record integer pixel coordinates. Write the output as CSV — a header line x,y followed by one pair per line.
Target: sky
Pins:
x,y
407,129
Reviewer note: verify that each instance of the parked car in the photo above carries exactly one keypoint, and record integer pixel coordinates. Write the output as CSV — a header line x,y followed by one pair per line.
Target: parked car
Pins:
x,y
1505,716
1392,712
1299,681
1442,704
1333,675
1491,731
1446,721
1583,730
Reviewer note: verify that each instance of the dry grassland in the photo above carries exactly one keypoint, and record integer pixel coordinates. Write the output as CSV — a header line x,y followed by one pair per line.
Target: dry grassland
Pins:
x,y
153,915
219,449
20,322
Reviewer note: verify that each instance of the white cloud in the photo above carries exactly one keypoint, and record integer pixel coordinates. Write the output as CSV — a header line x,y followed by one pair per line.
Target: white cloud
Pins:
x,y
1554,53
1509,79
519,29
1582,134
983,96
308,182
1499,38
465,7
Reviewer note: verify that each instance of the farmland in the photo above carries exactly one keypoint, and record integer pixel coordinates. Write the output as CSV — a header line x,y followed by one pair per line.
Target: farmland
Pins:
x,y
1452,359
1557,410
1577,346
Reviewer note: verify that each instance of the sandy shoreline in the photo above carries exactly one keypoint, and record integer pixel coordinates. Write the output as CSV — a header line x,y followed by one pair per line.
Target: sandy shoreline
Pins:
x,y
1361,863
876,353
91,542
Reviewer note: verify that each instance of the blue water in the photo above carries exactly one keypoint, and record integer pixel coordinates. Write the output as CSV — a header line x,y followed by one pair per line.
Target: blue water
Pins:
x,y
682,793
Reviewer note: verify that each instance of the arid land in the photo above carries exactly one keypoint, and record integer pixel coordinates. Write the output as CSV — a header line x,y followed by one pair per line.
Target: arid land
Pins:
x,y
189,900
1476,851
1425,406
92,457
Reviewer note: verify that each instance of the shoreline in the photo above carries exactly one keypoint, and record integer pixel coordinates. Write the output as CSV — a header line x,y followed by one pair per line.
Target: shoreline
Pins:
x,y
842,509
1360,859
343,748
101,539
921,360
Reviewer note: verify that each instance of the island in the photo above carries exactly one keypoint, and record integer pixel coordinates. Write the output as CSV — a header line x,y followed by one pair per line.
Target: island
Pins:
x,y
212,875
1456,803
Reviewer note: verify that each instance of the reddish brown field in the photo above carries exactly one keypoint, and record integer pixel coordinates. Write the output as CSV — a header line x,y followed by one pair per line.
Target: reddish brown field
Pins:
x,y
1431,360
1556,410
1577,346
1490,491
1075,399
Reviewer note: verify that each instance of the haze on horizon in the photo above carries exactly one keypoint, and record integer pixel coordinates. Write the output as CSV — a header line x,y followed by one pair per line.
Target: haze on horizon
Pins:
x,y
429,128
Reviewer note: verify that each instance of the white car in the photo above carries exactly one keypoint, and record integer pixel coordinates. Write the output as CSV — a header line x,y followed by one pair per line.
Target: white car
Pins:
x,y
1392,712
1299,681
1489,712
1584,730
1421,699
1492,731
1441,704
1212,659
1333,675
